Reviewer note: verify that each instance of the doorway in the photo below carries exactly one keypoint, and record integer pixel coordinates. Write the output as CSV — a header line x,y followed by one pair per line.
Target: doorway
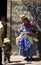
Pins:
x,y
3,8
3,13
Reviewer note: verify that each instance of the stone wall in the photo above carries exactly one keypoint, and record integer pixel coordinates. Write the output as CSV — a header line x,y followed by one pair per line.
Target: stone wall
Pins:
x,y
33,7
8,16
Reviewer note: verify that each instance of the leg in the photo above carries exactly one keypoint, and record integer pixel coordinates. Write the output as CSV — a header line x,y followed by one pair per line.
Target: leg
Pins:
x,y
4,57
8,57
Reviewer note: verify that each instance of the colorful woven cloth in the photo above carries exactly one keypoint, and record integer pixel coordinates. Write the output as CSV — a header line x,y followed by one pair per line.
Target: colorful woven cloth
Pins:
x,y
35,39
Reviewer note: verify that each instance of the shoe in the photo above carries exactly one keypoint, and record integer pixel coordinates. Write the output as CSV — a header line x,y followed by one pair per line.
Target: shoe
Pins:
x,y
31,59
27,59
9,61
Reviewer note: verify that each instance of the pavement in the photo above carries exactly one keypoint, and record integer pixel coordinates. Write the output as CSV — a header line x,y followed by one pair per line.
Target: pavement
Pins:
x,y
19,60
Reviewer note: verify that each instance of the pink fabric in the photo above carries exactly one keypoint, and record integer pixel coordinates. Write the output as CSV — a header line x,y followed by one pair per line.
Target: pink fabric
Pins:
x,y
31,25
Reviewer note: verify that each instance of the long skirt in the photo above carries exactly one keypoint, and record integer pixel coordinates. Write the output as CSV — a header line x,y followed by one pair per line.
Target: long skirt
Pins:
x,y
29,52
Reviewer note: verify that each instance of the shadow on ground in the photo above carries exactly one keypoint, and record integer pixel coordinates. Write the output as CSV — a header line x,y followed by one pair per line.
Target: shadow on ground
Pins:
x,y
23,63
14,61
36,59
18,64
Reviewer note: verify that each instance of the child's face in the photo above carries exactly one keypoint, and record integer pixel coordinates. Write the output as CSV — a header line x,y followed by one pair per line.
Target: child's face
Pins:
x,y
7,42
24,21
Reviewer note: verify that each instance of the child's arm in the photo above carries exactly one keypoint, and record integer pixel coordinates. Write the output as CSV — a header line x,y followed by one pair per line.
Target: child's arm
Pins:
x,y
19,38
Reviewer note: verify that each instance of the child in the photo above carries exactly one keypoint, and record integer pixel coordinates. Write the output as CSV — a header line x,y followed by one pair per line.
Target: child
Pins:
x,y
7,49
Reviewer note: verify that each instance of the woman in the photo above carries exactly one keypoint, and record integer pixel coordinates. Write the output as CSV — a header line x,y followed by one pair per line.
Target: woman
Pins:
x,y
27,46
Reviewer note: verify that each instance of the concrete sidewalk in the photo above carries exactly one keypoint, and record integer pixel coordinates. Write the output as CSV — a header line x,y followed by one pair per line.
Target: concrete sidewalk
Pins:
x,y
19,60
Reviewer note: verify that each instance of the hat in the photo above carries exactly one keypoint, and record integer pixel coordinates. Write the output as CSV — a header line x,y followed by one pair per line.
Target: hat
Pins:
x,y
23,16
6,40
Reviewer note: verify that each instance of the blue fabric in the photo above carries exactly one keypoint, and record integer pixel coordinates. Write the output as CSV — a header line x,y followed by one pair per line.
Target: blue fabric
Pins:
x,y
25,43
26,48
24,29
29,52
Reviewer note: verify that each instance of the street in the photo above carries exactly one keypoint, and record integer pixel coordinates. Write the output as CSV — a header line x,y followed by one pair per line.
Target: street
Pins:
x,y
19,60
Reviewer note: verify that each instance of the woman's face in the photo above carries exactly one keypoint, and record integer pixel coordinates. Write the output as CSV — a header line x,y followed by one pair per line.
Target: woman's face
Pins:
x,y
24,21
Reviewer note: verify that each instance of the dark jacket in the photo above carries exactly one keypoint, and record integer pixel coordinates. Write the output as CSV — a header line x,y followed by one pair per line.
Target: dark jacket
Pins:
x,y
4,33
7,47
